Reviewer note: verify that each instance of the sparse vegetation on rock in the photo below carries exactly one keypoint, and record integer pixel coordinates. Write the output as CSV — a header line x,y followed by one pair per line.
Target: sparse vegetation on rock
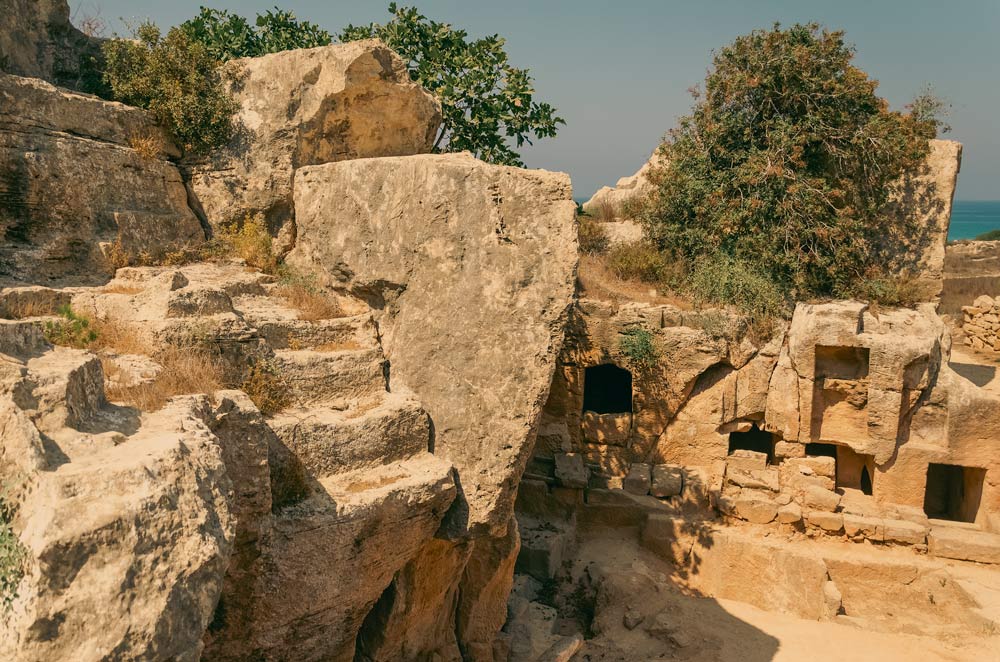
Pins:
x,y
487,103
12,557
71,330
177,79
637,346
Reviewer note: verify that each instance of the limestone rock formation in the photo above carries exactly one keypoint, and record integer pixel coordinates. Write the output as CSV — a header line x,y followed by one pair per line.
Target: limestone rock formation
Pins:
x,y
926,197
126,520
307,107
469,268
73,187
626,189
38,40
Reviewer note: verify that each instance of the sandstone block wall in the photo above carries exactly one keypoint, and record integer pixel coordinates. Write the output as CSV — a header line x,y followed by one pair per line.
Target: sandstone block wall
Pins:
x,y
981,323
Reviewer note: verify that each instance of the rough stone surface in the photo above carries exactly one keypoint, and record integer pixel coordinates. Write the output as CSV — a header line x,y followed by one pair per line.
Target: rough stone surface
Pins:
x,y
570,470
627,188
71,184
307,107
667,480
470,270
38,40
638,479
141,510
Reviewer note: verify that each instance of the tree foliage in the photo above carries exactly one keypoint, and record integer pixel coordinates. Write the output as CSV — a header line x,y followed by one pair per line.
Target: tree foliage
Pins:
x,y
487,104
228,36
175,78
785,168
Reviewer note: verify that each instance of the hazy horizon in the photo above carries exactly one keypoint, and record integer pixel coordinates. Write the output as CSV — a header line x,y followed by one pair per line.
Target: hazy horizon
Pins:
x,y
619,74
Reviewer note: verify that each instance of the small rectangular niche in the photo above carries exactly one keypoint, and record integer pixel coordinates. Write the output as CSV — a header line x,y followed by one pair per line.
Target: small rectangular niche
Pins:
x,y
841,362
607,389
854,470
953,492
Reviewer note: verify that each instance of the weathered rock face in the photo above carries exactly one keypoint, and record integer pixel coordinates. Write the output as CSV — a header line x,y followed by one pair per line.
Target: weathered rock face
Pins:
x,y
926,197
627,189
971,269
126,520
307,107
70,182
38,40
470,270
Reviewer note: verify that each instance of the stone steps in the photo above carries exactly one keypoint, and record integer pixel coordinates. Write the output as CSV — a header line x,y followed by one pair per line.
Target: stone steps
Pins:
x,y
336,378
388,428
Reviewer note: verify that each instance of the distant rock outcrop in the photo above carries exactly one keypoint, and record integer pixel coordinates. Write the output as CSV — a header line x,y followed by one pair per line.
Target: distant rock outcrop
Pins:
x,y
307,107
612,201
38,40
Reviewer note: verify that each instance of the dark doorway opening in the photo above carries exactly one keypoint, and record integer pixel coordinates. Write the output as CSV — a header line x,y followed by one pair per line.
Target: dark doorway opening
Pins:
x,y
754,439
607,389
822,450
953,492
866,481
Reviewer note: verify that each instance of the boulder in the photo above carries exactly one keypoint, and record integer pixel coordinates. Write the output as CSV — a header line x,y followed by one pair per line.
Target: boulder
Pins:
x,y
638,479
625,190
469,268
667,480
72,185
306,107
127,543
570,470
38,40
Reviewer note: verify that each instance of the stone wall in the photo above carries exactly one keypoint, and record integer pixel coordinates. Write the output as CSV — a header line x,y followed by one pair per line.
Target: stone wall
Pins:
x,y
971,269
981,324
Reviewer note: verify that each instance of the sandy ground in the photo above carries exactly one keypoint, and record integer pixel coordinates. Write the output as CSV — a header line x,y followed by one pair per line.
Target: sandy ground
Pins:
x,y
720,630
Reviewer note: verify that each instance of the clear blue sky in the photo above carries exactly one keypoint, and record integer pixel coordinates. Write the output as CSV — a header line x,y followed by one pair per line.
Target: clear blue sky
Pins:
x,y
618,71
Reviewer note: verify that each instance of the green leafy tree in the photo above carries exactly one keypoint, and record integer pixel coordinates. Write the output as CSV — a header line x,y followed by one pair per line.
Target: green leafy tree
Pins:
x,y
177,79
487,104
785,168
228,36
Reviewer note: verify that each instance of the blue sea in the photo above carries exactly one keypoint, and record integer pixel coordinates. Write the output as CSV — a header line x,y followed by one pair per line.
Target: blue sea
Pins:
x,y
971,218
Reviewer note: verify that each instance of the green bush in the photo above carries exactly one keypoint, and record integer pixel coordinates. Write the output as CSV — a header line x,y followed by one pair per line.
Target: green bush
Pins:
x,y
177,79
228,36
13,557
486,103
786,166
720,279
591,235
73,330
637,346
992,235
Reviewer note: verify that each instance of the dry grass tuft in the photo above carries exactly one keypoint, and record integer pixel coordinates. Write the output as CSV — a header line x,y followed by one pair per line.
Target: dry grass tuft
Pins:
x,y
186,371
266,388
147,144
606,211
312,303
19,308
120,337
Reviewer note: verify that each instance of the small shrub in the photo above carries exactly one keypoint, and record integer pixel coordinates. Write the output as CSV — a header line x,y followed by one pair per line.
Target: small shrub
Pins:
x,y
266,388
606,211
177,80
591,236
633,206
888,290
637,346
147,144
73,330
992,235
641,261
720,279
251,241
13,556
